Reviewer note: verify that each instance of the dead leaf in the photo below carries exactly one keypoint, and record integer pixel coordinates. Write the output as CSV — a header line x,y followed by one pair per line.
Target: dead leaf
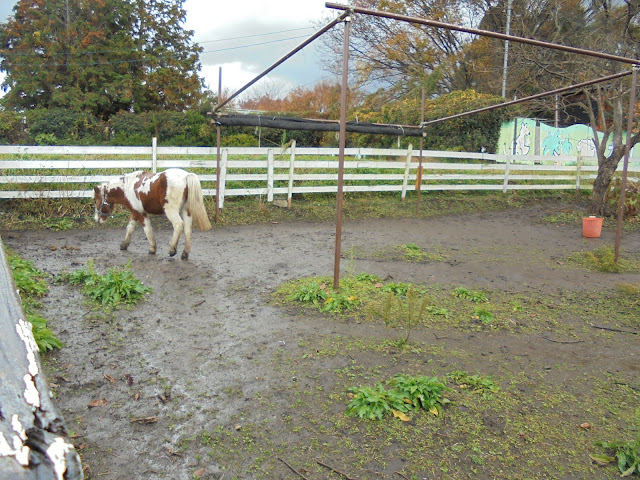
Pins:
x,y
586,426
109,377
171,451
434,410
401,416
238,427
144,420
137,396
101,402
379,285
199,472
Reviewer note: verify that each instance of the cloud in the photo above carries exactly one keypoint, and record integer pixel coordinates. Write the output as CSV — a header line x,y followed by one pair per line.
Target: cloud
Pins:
x,y
244,38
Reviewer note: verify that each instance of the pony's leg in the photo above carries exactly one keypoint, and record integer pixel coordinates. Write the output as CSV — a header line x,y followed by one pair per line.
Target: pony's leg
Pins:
x,y
188,228
178,224
127,237
148,230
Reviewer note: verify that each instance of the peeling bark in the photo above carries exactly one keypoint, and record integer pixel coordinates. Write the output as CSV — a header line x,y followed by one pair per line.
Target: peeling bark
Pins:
x,y
33,438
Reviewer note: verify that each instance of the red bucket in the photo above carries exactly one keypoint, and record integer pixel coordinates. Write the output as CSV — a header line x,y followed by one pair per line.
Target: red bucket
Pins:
x,y
591,227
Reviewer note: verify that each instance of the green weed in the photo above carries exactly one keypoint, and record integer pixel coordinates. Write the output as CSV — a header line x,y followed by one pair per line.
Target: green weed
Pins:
x,y
398,289
325,298
625,452
421,392
406,393
31,285
476,383
471,295
117,286
29,280
375,402
484,315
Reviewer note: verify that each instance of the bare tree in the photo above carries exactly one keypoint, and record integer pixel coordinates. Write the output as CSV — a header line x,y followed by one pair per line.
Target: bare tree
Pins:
x,y
609,26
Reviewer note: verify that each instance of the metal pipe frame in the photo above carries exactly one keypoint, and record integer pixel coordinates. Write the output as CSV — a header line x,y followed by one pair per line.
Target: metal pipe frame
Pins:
x,y
485,33
342,146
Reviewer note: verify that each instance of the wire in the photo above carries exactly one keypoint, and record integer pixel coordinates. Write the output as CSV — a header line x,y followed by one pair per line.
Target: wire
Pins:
x,y
256,35
117,62
255,44
99,52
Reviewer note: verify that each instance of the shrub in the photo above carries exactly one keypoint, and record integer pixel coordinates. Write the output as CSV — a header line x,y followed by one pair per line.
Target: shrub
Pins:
x,y
631,197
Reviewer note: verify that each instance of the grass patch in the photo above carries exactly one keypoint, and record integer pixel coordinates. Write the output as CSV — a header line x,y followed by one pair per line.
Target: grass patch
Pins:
x,y
408,308
602,259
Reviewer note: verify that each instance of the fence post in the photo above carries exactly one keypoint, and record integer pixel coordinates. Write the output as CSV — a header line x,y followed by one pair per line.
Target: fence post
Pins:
x,y
506,174
292,160
405,181
223,176
270,175
579,172
154,154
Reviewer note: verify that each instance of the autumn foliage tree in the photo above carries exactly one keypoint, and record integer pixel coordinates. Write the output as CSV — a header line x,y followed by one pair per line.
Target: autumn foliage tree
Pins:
x,y
99,56
320,101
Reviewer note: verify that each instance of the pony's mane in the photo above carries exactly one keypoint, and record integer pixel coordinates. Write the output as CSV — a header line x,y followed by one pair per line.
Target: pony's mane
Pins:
x,y
126,182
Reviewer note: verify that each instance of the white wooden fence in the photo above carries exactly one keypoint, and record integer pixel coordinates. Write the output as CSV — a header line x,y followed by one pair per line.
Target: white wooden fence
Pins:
x,y
71,172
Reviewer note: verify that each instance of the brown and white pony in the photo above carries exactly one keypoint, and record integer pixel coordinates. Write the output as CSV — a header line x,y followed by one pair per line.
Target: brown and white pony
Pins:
x,y
174,192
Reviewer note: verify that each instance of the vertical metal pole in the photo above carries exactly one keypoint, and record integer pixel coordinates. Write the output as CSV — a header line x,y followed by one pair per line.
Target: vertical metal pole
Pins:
x,y
627,153
419,173
343,141
218,148
505,62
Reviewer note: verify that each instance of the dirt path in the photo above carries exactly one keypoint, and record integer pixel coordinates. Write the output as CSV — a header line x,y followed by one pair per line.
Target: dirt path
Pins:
x,y
202,353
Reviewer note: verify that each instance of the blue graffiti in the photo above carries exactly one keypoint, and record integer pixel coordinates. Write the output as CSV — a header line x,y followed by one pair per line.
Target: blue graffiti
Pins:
x,y
554,144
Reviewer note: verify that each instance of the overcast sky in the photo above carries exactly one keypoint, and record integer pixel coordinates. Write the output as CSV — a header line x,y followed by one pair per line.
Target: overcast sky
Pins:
x,y
245,37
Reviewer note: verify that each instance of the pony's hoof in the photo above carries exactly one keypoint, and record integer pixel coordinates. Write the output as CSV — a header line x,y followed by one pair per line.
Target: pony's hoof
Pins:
x,y
152,252
123,247
185,256
172,253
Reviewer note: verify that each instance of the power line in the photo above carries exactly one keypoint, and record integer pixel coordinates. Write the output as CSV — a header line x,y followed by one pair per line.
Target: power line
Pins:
x,y
255,44
117,62
256,35
100,52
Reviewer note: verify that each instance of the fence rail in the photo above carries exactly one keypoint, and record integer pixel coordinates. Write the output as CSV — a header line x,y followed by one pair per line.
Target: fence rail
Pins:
x,y
56,172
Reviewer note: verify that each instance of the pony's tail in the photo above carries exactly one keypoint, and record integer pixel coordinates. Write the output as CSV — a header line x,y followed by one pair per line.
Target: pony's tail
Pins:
x,y
196,203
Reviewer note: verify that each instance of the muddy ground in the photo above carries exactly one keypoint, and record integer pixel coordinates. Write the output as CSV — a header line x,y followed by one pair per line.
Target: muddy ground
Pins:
x,y
209,355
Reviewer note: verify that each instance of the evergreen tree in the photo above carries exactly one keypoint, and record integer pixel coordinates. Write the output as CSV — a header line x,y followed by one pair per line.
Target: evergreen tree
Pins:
x,y
101,56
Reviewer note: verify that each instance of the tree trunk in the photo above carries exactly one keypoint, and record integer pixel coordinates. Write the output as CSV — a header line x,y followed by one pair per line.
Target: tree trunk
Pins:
x,y
606,168
33,438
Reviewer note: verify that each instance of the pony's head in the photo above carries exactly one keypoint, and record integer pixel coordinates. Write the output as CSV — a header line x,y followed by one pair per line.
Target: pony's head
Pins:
x,y
104,209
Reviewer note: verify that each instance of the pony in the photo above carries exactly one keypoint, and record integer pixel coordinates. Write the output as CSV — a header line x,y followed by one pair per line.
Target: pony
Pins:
x,y
174,192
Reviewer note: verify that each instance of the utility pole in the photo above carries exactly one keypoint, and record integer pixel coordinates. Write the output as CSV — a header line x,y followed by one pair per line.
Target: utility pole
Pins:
x,y
506,51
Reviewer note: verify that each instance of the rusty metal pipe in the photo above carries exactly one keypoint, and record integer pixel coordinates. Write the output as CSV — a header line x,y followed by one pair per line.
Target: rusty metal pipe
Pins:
x,y
625,165
532,97
486,33
342,145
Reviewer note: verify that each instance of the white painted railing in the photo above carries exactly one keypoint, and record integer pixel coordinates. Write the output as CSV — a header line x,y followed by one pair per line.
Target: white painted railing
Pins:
x,y
58,171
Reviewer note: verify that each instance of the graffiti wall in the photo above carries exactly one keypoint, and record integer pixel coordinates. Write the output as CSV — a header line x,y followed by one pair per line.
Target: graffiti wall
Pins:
x,y
536,138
